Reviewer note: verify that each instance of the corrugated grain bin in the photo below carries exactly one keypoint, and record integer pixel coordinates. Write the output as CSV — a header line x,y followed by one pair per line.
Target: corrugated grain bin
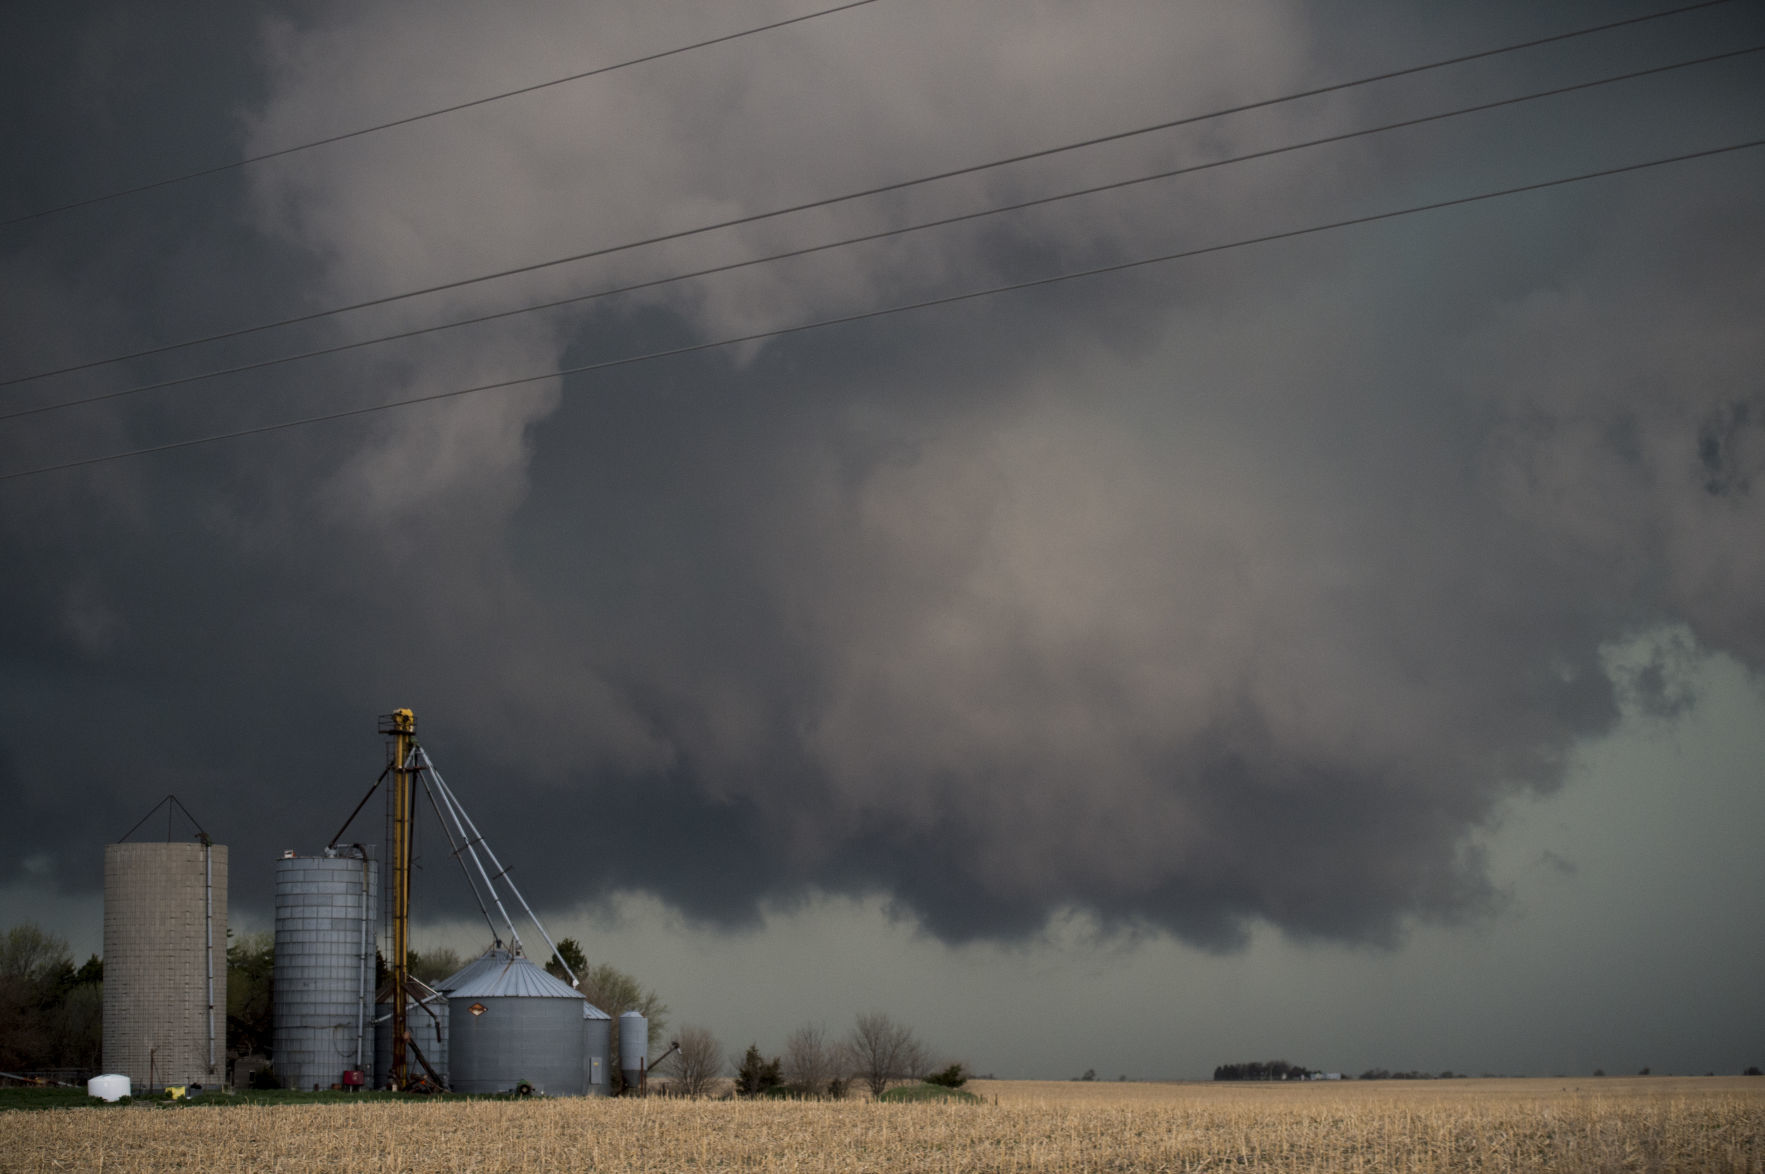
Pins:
x,y
165,963
597,1041
512,1022
634,1048
324,980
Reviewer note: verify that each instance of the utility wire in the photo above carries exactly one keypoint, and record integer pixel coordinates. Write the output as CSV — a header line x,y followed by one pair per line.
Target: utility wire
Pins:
x,y
945,300
406,121
874,236
893,186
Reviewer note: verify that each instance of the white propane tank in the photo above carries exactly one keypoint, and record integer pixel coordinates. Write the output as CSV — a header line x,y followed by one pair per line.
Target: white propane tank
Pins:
x,y
109,1087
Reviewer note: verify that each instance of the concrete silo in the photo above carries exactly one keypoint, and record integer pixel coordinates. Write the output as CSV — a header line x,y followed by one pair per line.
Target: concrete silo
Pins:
x,y
323,1005
513,1022
165,963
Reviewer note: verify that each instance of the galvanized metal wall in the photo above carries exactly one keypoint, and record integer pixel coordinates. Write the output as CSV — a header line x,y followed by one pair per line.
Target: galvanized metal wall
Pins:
x,y
499,1042
634,1047
326,915
428,1030
165,924
597,1058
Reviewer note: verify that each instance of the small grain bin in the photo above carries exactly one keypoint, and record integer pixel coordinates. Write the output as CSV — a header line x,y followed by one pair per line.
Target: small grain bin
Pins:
x,y
511,1022
597,1040
634,1049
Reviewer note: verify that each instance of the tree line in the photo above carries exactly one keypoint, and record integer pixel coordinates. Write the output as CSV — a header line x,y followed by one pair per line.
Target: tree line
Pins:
x,y
1263,1070
1282,1070
873,1054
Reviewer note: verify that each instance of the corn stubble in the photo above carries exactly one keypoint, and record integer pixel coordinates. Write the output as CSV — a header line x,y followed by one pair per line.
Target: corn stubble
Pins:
x,y
1588,1125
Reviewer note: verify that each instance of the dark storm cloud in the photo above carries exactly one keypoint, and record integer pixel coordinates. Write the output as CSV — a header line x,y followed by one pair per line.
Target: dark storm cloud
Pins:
x,y
1242,591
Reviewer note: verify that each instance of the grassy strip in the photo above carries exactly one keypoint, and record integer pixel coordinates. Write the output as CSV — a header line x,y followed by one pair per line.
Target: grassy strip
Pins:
x,y
914,1093
36,1099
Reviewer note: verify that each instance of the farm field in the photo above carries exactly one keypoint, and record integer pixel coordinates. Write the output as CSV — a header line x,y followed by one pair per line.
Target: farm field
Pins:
x,y
1654,1124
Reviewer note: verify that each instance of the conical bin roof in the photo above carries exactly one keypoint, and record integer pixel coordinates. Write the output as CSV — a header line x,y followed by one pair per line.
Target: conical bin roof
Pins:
x,y
501,975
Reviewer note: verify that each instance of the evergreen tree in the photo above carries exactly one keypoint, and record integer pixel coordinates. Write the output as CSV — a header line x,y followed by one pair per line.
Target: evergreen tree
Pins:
x,y
757,1075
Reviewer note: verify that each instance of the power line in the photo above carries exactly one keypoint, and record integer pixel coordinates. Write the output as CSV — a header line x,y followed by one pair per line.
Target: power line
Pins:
x,y
880,189
406,121
865,315
880,235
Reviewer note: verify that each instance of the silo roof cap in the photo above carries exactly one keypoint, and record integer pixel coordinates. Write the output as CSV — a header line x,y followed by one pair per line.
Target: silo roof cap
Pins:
x,y
501,975
492,959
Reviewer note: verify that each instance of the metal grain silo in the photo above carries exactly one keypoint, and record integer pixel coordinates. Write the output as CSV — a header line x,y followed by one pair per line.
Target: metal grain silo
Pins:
x,y
597,1041
427,1020
634,1049
324,979
165,963
512,1022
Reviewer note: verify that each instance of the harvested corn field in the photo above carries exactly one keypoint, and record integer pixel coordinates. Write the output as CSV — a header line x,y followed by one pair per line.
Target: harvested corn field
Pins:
x,y
1653,1124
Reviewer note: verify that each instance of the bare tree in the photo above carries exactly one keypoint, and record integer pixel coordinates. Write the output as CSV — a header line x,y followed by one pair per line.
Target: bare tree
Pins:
x,y
31,961
879,1050
432,966
698,1063
30,956
809,1060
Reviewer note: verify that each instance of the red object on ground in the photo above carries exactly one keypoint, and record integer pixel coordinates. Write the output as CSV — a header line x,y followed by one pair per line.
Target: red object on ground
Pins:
x,y
352,1078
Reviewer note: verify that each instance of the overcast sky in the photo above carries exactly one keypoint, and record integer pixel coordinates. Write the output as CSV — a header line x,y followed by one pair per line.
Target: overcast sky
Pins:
x,y
1343,647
